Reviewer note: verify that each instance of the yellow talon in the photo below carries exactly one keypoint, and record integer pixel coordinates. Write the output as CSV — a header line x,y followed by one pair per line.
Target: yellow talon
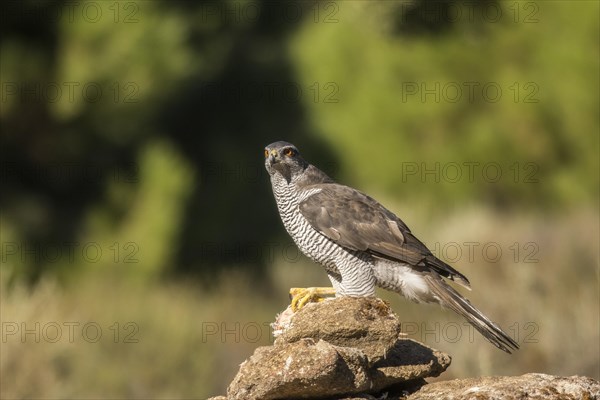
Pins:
x,y
302,296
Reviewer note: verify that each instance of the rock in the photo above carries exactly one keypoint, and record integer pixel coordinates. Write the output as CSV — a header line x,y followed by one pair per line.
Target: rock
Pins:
x,y
301,369
370,325
528,386
364,323
408,360
341,347
352,349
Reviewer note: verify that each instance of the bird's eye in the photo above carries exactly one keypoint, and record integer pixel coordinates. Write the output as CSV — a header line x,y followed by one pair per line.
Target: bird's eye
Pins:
x,y
266,153
289,152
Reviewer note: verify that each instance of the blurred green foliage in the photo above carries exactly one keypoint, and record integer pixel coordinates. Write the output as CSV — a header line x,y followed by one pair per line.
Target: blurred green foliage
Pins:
x,y
479,102
131,144
510,92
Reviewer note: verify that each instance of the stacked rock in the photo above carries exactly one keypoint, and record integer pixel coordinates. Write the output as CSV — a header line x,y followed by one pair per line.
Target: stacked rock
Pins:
x,y
341,347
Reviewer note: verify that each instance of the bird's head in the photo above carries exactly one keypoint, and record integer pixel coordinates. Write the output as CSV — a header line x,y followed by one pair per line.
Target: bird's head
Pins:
x,y
283,158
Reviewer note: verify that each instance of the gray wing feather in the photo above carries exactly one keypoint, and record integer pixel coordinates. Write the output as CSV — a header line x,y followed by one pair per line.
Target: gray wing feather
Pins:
x,y
358,222
452,299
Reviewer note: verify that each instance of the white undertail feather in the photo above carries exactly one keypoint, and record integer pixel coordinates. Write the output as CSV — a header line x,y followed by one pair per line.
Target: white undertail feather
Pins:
x,y
429,288
401,278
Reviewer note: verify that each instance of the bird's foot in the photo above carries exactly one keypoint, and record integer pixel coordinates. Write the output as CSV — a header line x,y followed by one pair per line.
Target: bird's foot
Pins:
x,y
302,296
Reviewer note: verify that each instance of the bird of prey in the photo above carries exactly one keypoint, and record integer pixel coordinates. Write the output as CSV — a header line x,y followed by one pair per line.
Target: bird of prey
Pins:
x,y
361,244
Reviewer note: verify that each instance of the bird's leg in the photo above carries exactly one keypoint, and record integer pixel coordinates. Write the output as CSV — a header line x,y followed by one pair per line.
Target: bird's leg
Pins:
x,y
301,296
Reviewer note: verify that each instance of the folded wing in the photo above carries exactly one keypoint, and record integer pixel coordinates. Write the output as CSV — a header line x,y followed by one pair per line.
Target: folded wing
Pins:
x,y
358,222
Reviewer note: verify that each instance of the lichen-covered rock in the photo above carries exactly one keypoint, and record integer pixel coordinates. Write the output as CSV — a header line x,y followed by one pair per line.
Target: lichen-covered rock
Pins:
x,y
302,369
364,323
408,360
352,349
341,347
528,386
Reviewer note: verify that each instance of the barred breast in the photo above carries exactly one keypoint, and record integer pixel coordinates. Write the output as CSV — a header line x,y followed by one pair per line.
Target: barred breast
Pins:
x,y
350,271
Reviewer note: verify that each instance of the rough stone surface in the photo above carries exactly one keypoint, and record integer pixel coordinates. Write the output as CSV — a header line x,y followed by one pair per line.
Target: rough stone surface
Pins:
x,y
352,349
341,347
528,386
302,369
365,323
408,360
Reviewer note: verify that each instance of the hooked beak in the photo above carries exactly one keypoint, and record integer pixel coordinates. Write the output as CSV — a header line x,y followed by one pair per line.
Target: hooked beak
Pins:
x,y
273,157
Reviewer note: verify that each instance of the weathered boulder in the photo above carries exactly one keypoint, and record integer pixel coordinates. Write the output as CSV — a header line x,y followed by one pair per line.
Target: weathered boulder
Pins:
x,y
365,323
336,348
528,386
408,360
302,369
352,349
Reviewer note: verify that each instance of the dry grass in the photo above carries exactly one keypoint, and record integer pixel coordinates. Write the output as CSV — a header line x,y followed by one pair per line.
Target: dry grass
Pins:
x,y
190,341
169,350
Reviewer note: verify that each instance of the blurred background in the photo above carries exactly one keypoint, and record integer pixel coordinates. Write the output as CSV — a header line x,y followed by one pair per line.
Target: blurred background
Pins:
x,y
142,255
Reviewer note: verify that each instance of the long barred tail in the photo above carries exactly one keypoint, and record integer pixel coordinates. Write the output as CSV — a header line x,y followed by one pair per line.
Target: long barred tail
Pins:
x,y
450,298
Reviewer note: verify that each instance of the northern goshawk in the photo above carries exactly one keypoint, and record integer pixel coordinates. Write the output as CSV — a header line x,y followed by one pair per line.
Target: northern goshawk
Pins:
x,y
361,244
